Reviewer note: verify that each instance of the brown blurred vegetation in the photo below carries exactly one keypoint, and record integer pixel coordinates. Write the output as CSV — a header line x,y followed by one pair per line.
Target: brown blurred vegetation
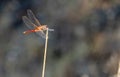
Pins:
x,y
85,42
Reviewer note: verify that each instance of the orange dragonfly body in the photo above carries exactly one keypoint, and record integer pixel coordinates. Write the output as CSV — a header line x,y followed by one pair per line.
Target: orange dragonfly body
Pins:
x,y
40,28
32,22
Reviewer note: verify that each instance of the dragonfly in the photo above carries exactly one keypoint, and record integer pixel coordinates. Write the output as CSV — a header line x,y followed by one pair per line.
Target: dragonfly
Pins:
x,y
34,25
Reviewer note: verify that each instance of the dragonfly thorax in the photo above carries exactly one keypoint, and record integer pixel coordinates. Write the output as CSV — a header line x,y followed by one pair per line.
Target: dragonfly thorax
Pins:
x,y
42,27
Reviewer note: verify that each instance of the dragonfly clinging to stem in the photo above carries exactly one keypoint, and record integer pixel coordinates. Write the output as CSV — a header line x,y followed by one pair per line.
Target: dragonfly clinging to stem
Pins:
x,y
34,25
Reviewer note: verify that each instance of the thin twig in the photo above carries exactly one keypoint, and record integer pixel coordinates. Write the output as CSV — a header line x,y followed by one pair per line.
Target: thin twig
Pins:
x,y
118,73
45,52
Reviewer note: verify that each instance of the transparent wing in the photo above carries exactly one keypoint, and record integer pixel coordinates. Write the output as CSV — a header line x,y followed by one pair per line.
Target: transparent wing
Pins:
x,y
28,23
50,29
42,34
32,17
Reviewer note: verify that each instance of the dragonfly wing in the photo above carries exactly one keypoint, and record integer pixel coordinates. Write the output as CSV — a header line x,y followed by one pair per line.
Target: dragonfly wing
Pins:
x,y
41,33
28,23
50,29
33,18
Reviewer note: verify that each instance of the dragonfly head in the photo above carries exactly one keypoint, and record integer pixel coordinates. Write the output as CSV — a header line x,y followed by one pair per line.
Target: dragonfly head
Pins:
x,y
44,27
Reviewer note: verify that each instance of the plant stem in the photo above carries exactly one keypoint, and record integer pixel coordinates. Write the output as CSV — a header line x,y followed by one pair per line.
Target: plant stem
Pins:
x,y
45,54
118,73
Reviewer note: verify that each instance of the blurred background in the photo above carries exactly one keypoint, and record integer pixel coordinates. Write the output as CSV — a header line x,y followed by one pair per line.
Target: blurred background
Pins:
x,y
85,43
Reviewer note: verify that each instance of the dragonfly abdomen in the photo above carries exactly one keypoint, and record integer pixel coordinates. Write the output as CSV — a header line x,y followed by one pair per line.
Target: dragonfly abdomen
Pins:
x,y
29,31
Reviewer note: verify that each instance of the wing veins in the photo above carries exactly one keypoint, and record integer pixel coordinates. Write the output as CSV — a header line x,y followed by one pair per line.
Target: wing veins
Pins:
x,y
28,22
32,17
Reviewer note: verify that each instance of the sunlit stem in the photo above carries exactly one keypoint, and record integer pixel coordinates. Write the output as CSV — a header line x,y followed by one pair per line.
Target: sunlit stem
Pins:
x,y
45,54
118,73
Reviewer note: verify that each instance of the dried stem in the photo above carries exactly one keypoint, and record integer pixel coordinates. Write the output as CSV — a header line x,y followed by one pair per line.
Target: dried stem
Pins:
x,y
118,73
45,54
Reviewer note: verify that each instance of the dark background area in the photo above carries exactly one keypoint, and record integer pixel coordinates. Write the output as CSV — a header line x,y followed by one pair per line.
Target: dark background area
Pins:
x,y
85,43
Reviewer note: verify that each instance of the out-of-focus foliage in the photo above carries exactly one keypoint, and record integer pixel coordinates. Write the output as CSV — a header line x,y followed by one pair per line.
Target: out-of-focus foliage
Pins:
x,y
85,42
